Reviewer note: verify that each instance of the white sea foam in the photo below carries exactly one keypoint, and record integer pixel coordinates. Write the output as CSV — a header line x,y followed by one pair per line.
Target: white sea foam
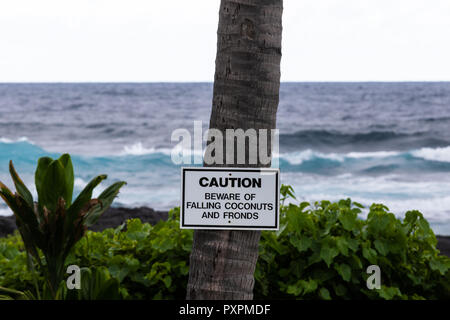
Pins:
x,y
79,183
5,212
297,158
138,149
376,154
429,197
433,154
21,139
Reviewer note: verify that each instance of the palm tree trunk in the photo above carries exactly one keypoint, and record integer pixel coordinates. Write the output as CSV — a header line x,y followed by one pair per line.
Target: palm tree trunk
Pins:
x,y
246,95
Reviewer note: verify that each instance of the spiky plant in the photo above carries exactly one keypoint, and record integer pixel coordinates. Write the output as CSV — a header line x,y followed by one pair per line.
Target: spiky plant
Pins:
x,y
54,223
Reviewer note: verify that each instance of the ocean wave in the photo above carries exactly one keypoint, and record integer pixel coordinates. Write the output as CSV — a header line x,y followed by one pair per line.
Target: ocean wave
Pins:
x,y
433,154
117,92
436,119
365,141
376,154
5,212
79,183
399,195
138,157
299,157
421,161
11,141
4,209
153,179
331,136
138,149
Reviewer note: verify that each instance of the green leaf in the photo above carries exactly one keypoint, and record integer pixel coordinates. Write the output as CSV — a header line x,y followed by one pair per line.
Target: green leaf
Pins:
x,y
136,230
370,254
26,221
378,221
328,254
43,164
340,290
411,218
118,272
7,196
310,285
106,198
353,244
356,262
287,190
27,216
280,231
302,243
66,162
167,281
299,220
53,186
324,294
342,245
83,198
22,190
357,204
389,292
294,289
442,264
302,287
12,292
381,247
344,271
348,220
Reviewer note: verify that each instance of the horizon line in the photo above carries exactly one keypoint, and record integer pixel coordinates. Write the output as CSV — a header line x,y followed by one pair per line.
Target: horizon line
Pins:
x,y
212,82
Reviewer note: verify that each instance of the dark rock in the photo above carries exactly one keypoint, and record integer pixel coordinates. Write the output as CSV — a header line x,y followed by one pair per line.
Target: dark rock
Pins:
x,y
112,218
7,225
116,216
444,245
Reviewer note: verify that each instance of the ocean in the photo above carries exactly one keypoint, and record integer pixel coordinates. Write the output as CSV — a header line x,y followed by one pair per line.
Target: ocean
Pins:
x,y
373,142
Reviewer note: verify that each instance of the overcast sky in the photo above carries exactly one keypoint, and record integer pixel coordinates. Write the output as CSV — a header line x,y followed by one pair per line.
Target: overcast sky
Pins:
x,y
175,40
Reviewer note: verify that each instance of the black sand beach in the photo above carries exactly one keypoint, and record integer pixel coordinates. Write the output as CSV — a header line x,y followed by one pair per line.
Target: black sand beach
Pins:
x,y
110,219
116,216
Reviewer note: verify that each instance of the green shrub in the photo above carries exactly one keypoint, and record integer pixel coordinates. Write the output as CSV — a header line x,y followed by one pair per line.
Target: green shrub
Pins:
x,y
321,251
150,262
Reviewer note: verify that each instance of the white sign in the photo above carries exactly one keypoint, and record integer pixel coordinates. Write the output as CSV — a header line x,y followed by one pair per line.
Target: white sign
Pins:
x,y
229,198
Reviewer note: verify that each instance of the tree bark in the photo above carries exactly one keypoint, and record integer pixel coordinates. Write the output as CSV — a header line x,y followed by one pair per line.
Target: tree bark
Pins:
x,y
246,95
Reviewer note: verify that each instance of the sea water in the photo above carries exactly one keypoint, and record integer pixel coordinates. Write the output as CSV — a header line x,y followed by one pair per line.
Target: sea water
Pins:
x,y
373,142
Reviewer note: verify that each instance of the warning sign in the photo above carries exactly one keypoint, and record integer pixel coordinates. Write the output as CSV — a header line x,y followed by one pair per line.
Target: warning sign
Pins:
x,y
229,198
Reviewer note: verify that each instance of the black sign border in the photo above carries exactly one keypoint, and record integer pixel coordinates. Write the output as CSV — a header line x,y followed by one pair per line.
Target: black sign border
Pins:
x,y
227,227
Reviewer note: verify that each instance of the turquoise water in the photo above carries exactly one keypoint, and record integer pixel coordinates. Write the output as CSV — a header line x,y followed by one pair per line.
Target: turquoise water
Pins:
x,y
386,143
